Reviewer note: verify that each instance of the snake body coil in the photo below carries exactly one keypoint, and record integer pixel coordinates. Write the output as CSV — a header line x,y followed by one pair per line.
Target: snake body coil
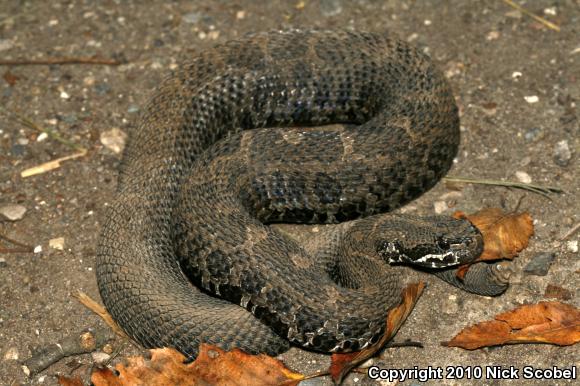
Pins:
x,y
372,125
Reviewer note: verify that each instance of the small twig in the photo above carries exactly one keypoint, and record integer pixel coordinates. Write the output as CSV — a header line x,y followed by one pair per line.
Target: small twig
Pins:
x,y
533,15
518,204
32,125
541,190
50,165
570,232
406,343
63,60
98,309
23,247
85,342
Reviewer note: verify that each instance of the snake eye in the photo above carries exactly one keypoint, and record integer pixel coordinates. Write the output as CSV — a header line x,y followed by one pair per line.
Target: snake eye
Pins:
x,y
442,243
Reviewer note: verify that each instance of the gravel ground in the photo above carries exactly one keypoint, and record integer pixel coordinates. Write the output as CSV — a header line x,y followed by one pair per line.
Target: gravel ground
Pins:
x,y
516,80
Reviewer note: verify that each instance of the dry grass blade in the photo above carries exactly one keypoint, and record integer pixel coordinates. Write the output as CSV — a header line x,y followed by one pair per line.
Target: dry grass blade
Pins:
x,y
32,125
538,189
20,247
64,60
539,19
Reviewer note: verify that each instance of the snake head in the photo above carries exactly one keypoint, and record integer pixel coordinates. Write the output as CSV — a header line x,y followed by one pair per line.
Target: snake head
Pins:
x,y
437,244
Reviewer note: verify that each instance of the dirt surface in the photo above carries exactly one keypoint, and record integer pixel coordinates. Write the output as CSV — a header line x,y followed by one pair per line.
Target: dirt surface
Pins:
x,y
516,80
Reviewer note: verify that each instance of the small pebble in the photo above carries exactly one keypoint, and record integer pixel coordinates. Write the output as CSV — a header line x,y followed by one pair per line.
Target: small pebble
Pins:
x,y
100,357
57,243
562,153
102,88
6,44
213,35
450,307
540,264
516,75
330,7
523,177
114,139
493,35
532,99
412,37
11,354
38,249
532,134
3,263
440,206
13,212
133,109
41,137
17,150
240,15
89,80
64,95
572,246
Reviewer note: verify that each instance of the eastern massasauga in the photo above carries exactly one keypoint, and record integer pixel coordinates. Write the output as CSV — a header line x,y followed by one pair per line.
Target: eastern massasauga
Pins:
x,y
296,126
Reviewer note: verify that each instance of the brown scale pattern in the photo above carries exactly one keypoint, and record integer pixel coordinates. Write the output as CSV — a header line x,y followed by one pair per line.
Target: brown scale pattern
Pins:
x,y
195,192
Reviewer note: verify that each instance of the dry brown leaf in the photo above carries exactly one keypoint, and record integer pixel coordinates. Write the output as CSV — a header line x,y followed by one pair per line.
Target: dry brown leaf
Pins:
x,y
504,234
66,381
342,364
545,322
212,366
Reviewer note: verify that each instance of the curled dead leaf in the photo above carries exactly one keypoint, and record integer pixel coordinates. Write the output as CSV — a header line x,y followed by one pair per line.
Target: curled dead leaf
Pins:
x,y
504,234
213,366
546,322
342,364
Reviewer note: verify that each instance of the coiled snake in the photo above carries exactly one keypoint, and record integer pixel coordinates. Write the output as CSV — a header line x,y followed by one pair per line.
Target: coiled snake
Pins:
x,y
370,124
